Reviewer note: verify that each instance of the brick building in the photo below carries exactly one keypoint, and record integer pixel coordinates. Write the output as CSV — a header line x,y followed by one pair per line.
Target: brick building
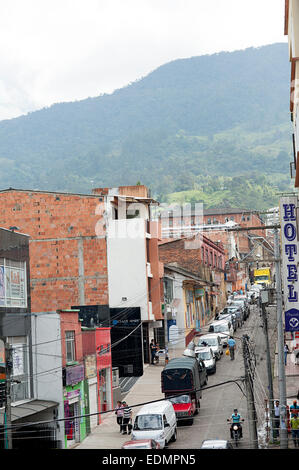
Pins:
x,y
83,255
68,262
201,263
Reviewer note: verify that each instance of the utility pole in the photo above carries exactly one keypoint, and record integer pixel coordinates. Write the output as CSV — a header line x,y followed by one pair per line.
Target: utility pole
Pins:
x,y
7,427
280,344
269,367
252,418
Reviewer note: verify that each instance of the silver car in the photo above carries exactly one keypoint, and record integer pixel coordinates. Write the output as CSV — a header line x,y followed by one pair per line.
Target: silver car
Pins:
x,y
216,444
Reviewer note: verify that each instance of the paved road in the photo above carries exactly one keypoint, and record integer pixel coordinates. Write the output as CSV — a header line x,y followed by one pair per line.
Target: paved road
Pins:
x,y
217,403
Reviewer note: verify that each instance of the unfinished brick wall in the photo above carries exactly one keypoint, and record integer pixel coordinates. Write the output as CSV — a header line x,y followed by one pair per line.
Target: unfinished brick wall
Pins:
x,y
68,262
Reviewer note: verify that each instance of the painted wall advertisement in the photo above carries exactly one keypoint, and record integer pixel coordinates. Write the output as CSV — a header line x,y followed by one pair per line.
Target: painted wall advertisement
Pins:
x,y
290,261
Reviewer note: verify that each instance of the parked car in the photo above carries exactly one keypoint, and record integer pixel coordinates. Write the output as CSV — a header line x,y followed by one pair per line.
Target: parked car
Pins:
x,y
156,421
207,356
216,444
241,304
223,328
141,444
235,310
212,340
243,298
229,317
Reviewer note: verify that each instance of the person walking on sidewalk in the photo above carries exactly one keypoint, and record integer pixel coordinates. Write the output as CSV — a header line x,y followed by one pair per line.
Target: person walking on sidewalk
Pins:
x,y
294,409
294,422
286,350
119,411
127,417
231,346
276,423
153,349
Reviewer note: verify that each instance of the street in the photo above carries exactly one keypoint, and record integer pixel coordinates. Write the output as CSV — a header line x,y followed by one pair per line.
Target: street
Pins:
x,y
218,403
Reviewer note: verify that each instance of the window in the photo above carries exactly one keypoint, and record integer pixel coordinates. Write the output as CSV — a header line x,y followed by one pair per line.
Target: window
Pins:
x,y
215,260
209,221
168,290
70,346
13,292
207,257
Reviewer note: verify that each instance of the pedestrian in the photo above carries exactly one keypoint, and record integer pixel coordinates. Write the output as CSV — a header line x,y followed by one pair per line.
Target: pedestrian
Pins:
x,y
231,346
294,409
294,422
286,350
276,419
127,417
153,349
119,411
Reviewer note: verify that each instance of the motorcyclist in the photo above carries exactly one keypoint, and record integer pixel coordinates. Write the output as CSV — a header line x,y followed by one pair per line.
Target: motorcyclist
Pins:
x,y
236,419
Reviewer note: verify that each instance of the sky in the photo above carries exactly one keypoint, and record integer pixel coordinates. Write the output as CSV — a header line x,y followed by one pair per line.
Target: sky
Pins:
x,y
66,50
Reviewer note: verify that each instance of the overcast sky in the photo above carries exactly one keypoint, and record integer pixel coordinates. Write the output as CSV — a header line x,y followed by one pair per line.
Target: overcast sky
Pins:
x,y
67,50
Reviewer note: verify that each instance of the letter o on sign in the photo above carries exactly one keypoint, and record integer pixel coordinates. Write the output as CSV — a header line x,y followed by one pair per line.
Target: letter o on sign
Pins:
x,y
289,232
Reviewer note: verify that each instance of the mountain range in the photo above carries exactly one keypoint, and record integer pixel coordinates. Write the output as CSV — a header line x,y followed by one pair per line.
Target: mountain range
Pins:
x,y
213,128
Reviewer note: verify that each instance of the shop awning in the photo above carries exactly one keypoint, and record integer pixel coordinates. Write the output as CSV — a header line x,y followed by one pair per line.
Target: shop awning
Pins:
x,y
28,408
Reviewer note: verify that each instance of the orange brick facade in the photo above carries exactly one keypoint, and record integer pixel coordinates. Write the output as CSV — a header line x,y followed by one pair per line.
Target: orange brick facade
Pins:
x,y
68,262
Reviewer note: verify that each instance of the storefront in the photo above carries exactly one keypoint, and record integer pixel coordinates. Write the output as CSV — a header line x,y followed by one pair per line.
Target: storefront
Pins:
x,y
200,308
91,390
74,405
104,370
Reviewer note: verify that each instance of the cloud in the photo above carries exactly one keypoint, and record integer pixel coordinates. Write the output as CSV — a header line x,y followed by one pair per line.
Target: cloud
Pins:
x,y
64,50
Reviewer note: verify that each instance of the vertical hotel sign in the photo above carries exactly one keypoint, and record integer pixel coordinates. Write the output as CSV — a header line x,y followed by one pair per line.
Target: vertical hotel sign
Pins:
x,y
290,261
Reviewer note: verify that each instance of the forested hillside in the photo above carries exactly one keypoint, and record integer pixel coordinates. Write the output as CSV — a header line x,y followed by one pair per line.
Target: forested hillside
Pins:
x,y
213,128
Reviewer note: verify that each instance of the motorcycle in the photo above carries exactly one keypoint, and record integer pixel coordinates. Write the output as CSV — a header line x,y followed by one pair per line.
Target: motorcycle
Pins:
x,y
236,431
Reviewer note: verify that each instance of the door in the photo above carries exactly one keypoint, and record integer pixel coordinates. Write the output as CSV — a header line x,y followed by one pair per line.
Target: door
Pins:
x,y
93,405
145,337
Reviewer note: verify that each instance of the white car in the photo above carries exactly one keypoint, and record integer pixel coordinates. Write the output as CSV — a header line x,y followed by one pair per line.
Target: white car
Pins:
x,y
207,356
213,341
223,328
216,444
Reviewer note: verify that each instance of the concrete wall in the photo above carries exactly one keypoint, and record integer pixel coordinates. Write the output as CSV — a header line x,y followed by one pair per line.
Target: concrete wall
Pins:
x,y
127,267
47,362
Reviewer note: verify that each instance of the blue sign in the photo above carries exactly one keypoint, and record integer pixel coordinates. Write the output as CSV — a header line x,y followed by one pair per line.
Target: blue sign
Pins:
x,y
292,320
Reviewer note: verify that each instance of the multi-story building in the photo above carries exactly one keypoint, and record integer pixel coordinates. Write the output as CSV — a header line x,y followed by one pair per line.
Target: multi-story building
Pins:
x,y
199,264
291,29
97,253
34,399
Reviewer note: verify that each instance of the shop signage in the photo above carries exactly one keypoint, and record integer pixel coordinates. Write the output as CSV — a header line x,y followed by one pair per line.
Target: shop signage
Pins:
x,y
292,320
290,260
74,374
199,292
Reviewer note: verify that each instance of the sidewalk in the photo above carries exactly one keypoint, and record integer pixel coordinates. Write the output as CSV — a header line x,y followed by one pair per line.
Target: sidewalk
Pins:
x,y
292,376
147,388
